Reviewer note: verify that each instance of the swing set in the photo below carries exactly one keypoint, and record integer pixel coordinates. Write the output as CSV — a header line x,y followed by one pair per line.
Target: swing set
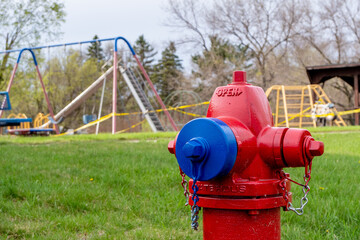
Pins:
x,y
56,119
5,106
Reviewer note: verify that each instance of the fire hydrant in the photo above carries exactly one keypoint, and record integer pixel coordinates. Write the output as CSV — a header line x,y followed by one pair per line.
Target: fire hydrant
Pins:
x,y
235,158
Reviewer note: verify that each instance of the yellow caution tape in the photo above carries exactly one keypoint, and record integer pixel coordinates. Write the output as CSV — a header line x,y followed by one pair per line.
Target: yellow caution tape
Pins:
x,y
297,115
166,109
88,125
321,115
187,106
190,114
136,113
338,113
132,126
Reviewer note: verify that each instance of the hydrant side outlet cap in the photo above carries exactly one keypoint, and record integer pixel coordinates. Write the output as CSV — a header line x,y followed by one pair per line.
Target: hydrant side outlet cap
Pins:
x,y
208,144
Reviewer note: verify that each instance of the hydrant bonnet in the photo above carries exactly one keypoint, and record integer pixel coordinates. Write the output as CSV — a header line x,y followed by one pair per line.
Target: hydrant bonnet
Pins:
x,y
206,147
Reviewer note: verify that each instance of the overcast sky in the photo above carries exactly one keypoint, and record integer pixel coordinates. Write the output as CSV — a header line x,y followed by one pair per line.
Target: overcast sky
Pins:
x,y
111,18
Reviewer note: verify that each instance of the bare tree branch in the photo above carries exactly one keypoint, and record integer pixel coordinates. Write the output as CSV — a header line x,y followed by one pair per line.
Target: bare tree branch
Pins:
x,y
186,15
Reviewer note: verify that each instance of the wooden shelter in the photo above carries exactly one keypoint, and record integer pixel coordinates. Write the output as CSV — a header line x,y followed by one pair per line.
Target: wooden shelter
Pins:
x,y
347,72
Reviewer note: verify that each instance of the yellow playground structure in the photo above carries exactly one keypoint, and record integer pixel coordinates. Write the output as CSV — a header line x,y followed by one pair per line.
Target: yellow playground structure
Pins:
x,y
302,106
41,121
23,124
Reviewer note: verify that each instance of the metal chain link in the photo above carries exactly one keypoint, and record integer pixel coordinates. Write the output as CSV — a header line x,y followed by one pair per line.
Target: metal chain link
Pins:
x,y
304,200
195,208
306,188
184,184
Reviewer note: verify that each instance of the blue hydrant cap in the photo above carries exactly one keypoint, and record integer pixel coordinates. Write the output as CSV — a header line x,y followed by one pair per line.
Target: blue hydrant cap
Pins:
x,y
208,144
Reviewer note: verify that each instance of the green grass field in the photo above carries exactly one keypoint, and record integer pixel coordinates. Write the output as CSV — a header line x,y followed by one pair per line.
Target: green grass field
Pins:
x,y
128,187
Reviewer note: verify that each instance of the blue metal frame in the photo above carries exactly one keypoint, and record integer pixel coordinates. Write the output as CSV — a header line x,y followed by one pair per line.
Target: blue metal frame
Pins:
x,y
15,120
126,41
8,101
32,53
75,43
4,122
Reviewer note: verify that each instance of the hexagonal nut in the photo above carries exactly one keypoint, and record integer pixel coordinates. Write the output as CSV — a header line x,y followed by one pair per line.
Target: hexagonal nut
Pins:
x,y
316,148
171,147
192,149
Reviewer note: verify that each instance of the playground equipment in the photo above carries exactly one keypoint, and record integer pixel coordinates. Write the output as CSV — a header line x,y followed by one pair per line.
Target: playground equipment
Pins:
x,y
132,82
42,119
294,105
25,129
141,99
147,79
19,116
235,159
134,85
5,106
40,78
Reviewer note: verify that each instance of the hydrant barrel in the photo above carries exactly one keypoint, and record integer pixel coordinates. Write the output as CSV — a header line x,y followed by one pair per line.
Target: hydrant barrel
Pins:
x,y
235,158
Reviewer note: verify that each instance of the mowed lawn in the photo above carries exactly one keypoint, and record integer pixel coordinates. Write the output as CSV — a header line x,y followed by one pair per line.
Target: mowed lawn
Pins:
x,y
128,187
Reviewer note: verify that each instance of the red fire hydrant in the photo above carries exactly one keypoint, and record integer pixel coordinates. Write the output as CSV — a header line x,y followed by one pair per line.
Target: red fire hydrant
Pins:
x,y
235,158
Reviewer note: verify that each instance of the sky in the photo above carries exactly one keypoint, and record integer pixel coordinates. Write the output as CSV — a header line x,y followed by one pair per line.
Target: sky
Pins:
x,y
112,18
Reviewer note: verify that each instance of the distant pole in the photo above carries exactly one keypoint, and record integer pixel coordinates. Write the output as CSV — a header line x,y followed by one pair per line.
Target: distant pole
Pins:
x,y
47,100
114,92
356,97
101,105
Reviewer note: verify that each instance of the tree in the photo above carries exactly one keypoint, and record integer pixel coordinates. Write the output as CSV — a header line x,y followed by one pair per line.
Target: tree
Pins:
x,y
214,67
168,72
188,17
265,27
145,52
330,36
26,22
95,50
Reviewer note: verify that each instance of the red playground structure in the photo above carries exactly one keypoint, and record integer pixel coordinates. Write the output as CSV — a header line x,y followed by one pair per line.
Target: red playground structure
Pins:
x,y
55,119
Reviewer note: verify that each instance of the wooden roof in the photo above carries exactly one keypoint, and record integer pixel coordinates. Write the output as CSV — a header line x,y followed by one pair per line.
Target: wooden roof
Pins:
x,y
320,74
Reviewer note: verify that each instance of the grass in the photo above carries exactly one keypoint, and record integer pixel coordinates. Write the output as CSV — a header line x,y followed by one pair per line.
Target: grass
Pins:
x,y
334,129
128,187
333,210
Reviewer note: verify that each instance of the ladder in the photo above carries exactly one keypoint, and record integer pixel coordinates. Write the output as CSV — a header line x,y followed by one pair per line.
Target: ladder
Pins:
x,y
141,99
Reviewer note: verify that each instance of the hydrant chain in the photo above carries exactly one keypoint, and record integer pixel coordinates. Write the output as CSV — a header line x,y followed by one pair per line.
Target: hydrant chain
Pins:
x,y
184,184
306,188
195,209
304,200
